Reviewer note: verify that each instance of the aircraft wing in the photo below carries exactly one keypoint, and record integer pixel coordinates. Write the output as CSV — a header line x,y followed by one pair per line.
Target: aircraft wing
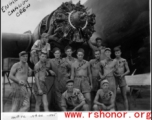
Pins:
x,y
138,80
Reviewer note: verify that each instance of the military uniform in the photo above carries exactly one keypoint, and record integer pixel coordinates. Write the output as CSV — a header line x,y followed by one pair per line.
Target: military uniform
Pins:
x,y
62,70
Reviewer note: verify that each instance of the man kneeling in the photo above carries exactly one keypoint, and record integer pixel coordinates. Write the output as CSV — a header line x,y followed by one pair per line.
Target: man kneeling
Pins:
x,y
104,99
73,99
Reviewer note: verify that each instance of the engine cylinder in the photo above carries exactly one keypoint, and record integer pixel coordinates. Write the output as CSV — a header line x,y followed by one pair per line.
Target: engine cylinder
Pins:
x,y
13,43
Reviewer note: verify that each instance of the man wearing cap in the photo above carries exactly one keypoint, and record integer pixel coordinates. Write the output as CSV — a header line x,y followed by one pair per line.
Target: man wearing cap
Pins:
x,y
96,69
62,71
41,72
122,69
38,46
81,74
69,59
19,75
105,98
108,70
73,99
99,45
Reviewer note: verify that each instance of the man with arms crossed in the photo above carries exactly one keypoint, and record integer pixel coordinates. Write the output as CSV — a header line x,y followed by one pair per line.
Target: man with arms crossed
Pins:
x,y
122,69
19,74
80,72
108,70
73,99
105,98
41,72
96,68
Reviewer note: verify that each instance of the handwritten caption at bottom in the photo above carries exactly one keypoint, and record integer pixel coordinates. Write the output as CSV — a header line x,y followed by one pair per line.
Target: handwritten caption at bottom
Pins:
x,y
29,116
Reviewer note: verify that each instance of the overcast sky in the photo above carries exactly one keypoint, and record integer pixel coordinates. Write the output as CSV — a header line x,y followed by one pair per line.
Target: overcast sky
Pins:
x,y
30,19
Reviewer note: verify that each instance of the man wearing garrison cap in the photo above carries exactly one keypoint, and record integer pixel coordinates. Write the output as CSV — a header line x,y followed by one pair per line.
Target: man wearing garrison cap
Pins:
x,y
19,74
38,46
73,99
122,69
105,98
108,70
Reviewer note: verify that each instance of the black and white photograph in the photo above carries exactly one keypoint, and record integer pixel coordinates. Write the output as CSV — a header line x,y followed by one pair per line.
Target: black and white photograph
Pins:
x,y
75,55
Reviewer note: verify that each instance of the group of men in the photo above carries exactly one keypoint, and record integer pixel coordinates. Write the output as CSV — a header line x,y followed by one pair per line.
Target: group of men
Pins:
x,y
79,84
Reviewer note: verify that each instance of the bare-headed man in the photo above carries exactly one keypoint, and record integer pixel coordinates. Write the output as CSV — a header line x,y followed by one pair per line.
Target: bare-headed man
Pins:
x,y
73,99
19,74
80,72
122,69
105,98
62,71
38,46
108,70
69,59
99,45
96,68
41,72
